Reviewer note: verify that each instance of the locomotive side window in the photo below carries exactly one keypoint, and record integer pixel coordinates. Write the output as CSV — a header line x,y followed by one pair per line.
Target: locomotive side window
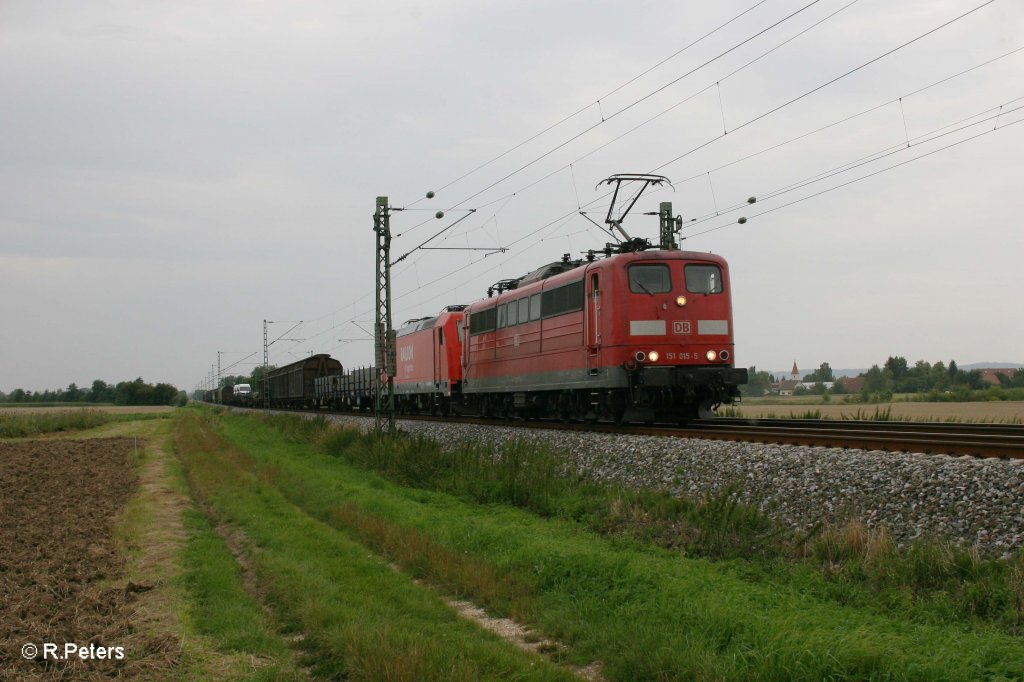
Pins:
x,y
534,307
512,315
650,278
703,279
502,315
483,321
564,299
524,310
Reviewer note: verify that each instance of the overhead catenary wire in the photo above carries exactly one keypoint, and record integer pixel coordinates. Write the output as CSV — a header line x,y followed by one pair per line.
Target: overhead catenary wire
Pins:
x,y
829,82
597,102
686,99
639,101
508,197
797,201
794,100
988,131
620,111
900,147
239,362
605,119
852,116
568,215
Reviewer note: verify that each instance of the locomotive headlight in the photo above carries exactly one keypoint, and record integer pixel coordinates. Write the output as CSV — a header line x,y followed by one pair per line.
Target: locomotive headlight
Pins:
x,y
653,356
711,355
680,301
640,356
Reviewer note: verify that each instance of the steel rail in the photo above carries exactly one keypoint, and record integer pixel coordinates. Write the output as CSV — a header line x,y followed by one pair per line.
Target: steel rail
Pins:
x,y
865,424
978,440
958,439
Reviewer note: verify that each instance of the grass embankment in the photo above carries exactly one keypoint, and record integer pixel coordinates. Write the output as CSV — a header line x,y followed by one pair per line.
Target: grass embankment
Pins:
x,y
220,609
931,581
613,595
188,588
352,615
37,423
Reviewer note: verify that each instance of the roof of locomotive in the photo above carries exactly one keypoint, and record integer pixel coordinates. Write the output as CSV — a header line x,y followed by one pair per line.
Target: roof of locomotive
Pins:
x,y
562,272
419,324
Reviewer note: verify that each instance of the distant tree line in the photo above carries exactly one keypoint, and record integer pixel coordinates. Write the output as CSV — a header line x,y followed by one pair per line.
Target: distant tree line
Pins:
x,y
896,376
136,392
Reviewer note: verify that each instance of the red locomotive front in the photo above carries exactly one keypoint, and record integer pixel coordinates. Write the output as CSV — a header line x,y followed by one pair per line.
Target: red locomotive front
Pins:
x,y
636,336
428,368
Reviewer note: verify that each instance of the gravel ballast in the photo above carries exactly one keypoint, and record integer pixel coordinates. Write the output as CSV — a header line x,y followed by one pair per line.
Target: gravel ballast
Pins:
x,y
967,500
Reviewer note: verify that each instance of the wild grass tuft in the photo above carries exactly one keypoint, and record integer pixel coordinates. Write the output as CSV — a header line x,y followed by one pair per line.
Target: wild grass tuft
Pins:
x,y
423,557
975,587
26,425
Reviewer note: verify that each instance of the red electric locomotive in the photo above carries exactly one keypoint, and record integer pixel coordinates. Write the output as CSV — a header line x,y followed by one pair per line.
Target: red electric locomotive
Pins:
x,y
635,337
428,357
639,335
642,334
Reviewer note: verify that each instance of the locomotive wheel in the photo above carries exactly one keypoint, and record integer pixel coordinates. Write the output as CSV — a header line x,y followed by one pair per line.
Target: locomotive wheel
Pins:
x,y
706,411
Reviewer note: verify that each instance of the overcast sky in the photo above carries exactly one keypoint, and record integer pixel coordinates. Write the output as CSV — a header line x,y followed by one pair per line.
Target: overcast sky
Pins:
x,y
172,174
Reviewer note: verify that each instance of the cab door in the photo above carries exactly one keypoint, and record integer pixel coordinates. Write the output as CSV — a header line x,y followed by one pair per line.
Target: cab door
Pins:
x,y
439,357
593,322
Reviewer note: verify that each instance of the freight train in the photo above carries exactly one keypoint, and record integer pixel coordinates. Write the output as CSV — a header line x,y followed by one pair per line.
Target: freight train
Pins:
x,y
239,395
642,335
630,333
290,386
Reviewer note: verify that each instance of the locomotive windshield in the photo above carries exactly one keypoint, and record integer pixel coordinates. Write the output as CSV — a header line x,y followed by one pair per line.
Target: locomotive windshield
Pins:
x,y
703,279
650,278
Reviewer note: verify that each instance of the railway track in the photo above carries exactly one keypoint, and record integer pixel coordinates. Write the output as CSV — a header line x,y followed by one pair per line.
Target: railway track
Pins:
x,y
979,440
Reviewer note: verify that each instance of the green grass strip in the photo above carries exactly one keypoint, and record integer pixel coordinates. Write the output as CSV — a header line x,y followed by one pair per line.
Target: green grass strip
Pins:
x,y
931,581
221,608
357,617
644,613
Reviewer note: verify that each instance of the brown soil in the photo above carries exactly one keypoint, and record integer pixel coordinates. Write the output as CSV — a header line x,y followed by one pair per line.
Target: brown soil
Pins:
x,y
61,577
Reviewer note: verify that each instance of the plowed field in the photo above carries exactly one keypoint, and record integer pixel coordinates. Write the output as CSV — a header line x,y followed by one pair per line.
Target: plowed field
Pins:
x,y
61,577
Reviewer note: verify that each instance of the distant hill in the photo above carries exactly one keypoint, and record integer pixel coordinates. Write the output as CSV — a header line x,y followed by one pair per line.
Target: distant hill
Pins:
x,y
837,373
991,365
857,372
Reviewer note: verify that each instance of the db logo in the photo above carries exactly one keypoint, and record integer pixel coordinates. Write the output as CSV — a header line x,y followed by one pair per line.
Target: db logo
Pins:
x,y
681,327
